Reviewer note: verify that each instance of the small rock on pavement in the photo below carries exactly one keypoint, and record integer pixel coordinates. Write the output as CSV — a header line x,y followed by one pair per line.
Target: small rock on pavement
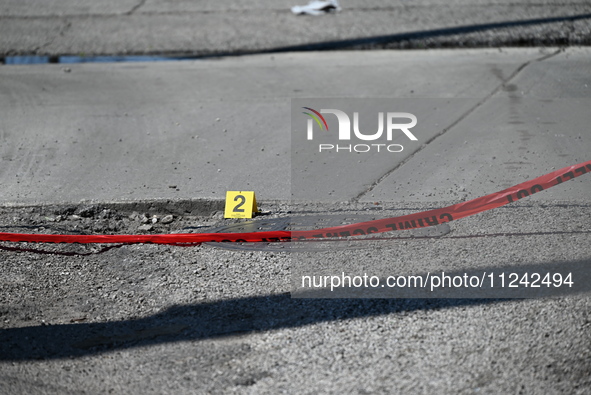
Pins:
x,y
145,228
167,219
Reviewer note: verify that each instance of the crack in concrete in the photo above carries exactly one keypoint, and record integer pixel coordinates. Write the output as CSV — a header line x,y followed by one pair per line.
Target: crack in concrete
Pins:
x,y
135,7
455,123
62,31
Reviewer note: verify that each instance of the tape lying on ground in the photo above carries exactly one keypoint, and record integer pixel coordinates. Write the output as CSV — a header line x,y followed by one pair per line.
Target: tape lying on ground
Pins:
x,y
411,221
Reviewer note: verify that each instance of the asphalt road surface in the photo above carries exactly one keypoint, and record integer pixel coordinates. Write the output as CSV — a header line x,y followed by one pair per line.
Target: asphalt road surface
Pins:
x,y
201,28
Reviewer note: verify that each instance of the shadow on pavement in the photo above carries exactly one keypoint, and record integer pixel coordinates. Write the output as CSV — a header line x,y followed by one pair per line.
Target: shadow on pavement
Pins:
x,y
418,35
327,45
229,317
202,321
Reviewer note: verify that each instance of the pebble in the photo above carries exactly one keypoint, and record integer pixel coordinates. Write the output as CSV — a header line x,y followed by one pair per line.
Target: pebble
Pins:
x,y
167,219
146,227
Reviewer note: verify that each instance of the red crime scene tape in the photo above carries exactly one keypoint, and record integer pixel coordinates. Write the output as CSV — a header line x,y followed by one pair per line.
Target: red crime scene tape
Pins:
x,y
410,221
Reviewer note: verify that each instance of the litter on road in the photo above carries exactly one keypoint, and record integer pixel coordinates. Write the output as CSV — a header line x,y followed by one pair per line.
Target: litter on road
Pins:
x,y
317,8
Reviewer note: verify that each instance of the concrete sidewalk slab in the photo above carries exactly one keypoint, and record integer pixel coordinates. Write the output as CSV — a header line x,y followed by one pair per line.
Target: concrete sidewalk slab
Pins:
x,y
188,130
538,122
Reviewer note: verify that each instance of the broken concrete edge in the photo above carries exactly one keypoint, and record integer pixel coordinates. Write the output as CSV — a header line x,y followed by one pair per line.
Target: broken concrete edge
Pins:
x,y
191,207
161,207
197,208
194,207
186,207
211,207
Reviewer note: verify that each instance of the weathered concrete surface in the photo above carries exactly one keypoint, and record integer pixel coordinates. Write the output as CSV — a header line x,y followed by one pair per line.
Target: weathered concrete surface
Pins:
x,y
192,130
535,123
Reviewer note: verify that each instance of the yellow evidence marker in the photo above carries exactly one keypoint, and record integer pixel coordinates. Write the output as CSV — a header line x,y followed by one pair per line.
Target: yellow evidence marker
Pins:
x,y
240,204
